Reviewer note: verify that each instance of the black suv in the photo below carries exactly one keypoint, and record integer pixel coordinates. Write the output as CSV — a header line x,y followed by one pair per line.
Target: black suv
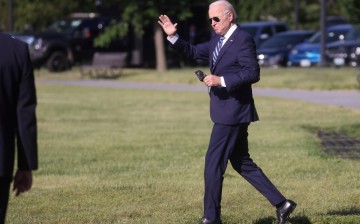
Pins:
x,y
345,52
262,30
68,41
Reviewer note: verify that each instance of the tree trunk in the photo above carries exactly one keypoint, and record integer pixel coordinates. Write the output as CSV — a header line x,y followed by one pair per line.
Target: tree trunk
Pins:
x,y
159,49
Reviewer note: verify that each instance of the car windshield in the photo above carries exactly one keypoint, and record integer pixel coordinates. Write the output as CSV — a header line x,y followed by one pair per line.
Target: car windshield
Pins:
x,y
353,34
282,41
64,26
332,36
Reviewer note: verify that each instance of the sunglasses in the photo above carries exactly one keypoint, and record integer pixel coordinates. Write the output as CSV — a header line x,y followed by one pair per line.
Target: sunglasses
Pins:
x,y
216,19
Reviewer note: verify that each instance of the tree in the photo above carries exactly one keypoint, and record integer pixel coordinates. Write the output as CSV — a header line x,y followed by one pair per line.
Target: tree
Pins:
x,y
4,12
351,10
247,10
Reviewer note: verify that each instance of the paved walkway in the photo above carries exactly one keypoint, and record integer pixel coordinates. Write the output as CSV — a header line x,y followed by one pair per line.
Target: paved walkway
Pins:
x,y
338,98
349,98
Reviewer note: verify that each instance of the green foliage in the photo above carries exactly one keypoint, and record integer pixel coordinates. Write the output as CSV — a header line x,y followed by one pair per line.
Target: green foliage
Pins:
x,y
114,31
38,14
139,14
351,10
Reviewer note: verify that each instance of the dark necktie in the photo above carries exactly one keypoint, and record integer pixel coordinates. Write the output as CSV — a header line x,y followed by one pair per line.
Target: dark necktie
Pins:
x,y
217,50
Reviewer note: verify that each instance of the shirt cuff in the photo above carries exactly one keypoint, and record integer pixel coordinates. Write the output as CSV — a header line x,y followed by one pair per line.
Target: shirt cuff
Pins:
x,y
173,39
222,80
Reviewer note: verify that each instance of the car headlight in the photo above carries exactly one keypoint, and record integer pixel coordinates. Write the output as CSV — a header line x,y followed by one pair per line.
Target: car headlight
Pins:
x,y
29,40
261,56
357,51
37,43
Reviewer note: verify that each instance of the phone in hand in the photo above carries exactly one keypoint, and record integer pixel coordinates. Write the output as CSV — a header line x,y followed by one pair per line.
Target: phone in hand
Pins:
x,y
200,74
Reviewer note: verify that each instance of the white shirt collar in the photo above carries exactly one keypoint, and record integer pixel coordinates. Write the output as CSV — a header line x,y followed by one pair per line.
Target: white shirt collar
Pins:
x,y
230,31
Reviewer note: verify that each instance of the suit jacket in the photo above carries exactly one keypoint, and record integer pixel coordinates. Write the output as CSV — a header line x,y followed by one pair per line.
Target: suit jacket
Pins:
x,y
238,65
17,107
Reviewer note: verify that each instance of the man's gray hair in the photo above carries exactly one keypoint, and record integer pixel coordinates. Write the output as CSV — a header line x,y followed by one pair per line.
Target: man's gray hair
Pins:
x,y
227,5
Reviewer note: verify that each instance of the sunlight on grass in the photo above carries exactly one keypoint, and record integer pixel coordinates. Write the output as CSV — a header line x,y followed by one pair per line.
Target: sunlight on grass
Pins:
x,y
137,156
292,78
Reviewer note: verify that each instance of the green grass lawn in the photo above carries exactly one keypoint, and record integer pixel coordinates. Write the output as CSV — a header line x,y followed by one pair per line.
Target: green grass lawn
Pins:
x,y
137,156
292,78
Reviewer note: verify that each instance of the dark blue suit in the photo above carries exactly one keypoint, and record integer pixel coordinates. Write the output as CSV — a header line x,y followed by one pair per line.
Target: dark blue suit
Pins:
x,y
17,114
232,109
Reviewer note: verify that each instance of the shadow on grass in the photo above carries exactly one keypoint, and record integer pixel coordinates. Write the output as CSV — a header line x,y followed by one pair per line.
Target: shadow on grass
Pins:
x,y
338,142
293,220
345,212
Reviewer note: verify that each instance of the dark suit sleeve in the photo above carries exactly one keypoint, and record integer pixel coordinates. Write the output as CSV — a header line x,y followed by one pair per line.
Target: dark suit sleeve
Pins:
x,y
248,71
26,115
199,51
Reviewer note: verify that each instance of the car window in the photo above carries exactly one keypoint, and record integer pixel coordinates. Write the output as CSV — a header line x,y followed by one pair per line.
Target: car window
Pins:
x,y
335,35
267,30
92,25
283,41
251,30
315,38
275,42
280,28
332,36
64,26
295,39
353,34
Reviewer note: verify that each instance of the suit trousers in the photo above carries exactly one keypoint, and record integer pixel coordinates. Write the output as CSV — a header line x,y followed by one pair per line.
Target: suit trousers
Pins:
x,y
4,197
231,143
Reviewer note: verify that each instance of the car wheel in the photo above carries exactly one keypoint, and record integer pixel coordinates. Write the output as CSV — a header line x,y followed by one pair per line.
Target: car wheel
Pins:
x,y
57,62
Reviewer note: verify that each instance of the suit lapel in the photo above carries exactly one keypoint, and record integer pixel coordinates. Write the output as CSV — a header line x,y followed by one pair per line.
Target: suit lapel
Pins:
x,y
224,48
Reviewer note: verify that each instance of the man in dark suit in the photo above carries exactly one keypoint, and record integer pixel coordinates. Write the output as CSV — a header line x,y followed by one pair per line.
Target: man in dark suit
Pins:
x,y
234,68
17,119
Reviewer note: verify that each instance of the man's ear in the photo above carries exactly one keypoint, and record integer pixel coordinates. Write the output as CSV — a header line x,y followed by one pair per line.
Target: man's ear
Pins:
x,y
231,17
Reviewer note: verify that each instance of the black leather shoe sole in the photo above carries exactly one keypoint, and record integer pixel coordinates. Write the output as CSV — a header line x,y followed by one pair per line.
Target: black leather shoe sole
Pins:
x,y
283,213
206,221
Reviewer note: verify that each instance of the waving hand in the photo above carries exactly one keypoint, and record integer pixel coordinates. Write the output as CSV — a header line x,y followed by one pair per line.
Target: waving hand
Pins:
x,y
168,27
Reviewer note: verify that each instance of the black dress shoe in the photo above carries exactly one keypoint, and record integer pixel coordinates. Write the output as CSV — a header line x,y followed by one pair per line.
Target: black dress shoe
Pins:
x,y
207,221
284,211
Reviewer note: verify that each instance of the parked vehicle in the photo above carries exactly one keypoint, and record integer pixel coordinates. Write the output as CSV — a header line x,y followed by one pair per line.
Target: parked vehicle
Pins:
x,y
343,52
262,30
69,41
335,20
308,54
274,51
355,57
